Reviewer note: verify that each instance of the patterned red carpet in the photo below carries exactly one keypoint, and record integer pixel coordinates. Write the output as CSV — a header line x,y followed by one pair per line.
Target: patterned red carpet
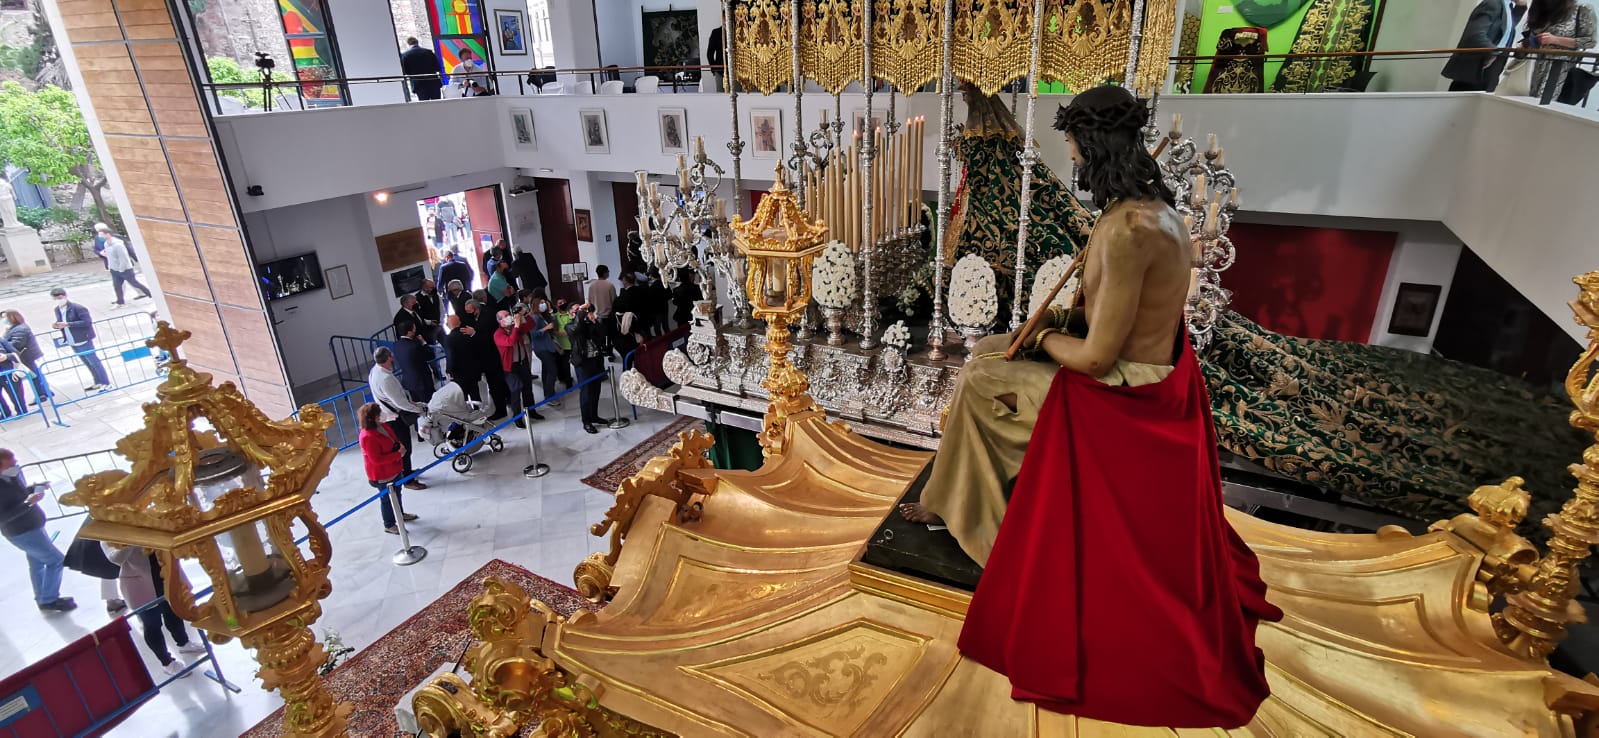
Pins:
x,y
375,678
610,476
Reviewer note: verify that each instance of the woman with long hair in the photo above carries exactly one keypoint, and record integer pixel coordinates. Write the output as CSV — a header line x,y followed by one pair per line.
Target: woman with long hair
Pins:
x,y
19,335
383,454
1557,24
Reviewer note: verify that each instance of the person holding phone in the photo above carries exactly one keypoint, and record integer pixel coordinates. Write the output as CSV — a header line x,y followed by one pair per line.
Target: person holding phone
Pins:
x,y
22,524
1557,24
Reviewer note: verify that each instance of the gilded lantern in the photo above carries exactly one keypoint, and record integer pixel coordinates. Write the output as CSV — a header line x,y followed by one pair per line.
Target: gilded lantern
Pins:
x,y
779,242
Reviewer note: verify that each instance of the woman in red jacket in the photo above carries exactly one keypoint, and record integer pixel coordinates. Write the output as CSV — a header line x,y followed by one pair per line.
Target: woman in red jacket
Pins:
x,y
515,359
382,453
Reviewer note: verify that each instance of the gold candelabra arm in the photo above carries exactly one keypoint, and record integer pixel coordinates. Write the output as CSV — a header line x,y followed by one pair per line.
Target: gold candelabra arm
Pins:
x,y
1535,619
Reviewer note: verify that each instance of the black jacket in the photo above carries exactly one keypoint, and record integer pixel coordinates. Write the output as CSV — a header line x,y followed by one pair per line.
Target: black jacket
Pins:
x,y
406,316
453,270
422,65
684,298
21,336
588,339
427,306
413,361
16,515
528,272
461,358
1484,30
458,304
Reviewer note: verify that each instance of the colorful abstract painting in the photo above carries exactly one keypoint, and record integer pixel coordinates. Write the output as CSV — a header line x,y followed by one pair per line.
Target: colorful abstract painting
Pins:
x,y
305,30
456,18
449,51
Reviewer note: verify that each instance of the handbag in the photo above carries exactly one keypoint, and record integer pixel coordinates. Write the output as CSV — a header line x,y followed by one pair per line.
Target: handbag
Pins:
x,y
1517,79
1579,82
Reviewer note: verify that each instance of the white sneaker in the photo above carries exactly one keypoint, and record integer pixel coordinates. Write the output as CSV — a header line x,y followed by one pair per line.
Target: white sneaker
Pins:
x,y
192,647
175,666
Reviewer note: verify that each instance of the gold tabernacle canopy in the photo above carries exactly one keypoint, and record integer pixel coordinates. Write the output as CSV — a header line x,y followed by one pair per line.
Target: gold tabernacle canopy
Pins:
x,y
214,479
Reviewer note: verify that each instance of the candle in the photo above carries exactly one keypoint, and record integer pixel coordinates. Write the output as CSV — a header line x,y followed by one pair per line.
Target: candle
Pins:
x,y
1188,223
1221,156
1232,199
699,148
248,548
1199,186
1211,224
1176,125
1212,148
641,174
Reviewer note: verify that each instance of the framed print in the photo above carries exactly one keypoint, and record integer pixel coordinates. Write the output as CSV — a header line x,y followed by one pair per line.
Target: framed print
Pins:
x,y
858,120
596,140
522,129
585,225
766,133
512,29
1414,308
576,271
674,130
338,281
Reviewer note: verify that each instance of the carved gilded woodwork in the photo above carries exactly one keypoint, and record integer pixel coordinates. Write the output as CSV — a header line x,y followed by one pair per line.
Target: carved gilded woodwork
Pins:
x,y
1084,42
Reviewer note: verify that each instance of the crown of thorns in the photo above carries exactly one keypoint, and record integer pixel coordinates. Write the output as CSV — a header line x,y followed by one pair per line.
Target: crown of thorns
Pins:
x,y
1113,109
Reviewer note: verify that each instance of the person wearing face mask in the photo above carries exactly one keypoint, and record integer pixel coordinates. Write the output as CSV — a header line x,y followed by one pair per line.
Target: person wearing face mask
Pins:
x,y
589,349
544,346
20,335
22,524
77,332
399,411
515,360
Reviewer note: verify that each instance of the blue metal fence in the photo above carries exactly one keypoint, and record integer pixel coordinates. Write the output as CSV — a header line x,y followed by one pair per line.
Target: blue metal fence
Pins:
x,y
345,432
125,364
19,397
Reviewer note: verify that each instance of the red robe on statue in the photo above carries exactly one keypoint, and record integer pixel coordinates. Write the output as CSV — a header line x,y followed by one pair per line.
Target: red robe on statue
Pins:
x,y
1117,590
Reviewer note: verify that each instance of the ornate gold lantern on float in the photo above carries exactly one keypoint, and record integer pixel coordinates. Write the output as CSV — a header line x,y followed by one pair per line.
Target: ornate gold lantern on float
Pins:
x,y
779,243
227,496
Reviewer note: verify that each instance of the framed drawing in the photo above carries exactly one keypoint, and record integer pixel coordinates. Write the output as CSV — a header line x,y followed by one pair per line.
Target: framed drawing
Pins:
x,y
596,140
1414,308
522,129
584,223
766,133
512,26
338,281
577,271
858,120
674,130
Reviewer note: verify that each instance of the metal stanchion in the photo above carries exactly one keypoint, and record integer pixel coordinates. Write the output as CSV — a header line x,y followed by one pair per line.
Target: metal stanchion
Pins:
x,y
534,468
215,674
617,421
408,554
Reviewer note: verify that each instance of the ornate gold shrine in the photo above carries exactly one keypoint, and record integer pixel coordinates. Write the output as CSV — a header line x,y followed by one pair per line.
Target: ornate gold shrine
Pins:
x,y
738,605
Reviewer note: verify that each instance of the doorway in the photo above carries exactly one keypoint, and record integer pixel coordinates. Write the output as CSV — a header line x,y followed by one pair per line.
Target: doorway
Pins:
x,y
624,196
560,236
470,222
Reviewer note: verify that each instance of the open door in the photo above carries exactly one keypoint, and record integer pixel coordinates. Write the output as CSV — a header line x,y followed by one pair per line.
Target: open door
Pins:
x,y
560,235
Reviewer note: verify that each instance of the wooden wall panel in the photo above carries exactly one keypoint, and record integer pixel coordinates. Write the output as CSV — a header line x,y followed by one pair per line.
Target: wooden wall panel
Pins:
x,y
208,347
138,81
251,336
231,271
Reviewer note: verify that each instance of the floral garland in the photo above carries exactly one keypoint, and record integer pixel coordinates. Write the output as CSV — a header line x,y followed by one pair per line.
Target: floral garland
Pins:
x,y
973,293
833,279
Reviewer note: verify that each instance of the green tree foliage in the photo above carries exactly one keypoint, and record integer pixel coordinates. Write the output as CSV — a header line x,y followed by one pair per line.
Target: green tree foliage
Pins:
x,y
227,71
44,133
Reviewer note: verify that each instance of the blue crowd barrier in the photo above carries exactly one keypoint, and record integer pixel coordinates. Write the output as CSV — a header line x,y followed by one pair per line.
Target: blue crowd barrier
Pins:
x,y
19,391
344,432
126,364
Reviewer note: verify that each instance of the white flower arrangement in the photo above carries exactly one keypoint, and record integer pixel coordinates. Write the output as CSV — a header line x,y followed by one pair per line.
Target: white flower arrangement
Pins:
x,y
973,294
833,280
1045,280
897,336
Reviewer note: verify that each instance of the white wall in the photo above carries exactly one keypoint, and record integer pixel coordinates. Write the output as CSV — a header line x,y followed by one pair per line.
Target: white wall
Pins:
x,y
339,232
1511,179
576,43
364,30
509,63
1410,26
1425,253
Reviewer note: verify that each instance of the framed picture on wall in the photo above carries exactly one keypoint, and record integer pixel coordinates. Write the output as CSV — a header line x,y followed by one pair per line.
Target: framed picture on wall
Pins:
x,y
522,129
338,281
1414,308
596,140
511,26
858,120
766,133
584,222
674,130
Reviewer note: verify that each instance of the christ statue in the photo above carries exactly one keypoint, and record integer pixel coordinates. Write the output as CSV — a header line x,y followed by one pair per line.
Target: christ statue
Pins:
x,y
1083,476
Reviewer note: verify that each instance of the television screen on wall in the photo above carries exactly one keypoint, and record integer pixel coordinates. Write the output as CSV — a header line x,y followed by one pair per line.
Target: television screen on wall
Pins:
x,y
407,280
291,276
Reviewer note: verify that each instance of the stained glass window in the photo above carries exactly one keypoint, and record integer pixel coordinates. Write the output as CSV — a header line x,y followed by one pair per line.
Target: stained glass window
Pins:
x,y
315,63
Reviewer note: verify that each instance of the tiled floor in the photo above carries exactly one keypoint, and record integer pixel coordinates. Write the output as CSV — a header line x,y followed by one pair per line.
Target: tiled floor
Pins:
x,y
466,520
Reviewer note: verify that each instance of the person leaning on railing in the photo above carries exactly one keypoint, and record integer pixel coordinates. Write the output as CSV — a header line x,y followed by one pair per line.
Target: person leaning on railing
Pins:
x,y
1557,24
1492,25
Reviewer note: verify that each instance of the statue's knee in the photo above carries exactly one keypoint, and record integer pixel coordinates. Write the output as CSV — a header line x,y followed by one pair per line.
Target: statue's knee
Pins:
x,y
1008,400
992,344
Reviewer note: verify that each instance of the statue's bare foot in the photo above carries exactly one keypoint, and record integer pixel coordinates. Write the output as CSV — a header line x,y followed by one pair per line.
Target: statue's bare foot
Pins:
x,y
914,512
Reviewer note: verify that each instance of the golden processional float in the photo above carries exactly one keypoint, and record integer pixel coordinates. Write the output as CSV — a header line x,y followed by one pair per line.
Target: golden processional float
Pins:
x,y
743,602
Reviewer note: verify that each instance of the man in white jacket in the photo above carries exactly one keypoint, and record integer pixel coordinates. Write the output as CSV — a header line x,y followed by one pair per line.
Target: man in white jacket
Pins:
x,y
120,261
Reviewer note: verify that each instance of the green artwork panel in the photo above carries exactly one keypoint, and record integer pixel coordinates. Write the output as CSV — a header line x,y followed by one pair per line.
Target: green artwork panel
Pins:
x,y
1281,19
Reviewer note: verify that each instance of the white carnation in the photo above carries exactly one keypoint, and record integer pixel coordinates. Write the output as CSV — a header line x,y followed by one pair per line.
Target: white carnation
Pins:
x,y
833,280
973,294
1045,280
897,336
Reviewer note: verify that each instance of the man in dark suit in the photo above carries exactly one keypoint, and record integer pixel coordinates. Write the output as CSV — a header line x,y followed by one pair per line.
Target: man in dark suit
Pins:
x,y
461,361
77,328
487,356
408,314
528,272
414,362
455,268
1492,25
429,306
455,296
422,66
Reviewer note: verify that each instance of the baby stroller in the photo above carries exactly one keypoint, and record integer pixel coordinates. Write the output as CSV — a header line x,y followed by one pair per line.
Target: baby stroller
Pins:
x,y
449,431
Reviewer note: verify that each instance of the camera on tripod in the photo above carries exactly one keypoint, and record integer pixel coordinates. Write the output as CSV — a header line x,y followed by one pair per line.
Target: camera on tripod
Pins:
x,y
263,61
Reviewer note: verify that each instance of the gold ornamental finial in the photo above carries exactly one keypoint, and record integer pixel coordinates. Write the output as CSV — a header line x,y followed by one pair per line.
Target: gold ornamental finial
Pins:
x,y
167,338
1534,620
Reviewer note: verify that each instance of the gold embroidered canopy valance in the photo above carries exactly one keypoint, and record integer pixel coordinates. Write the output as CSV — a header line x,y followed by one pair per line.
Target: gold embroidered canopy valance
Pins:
x,y
1084,42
